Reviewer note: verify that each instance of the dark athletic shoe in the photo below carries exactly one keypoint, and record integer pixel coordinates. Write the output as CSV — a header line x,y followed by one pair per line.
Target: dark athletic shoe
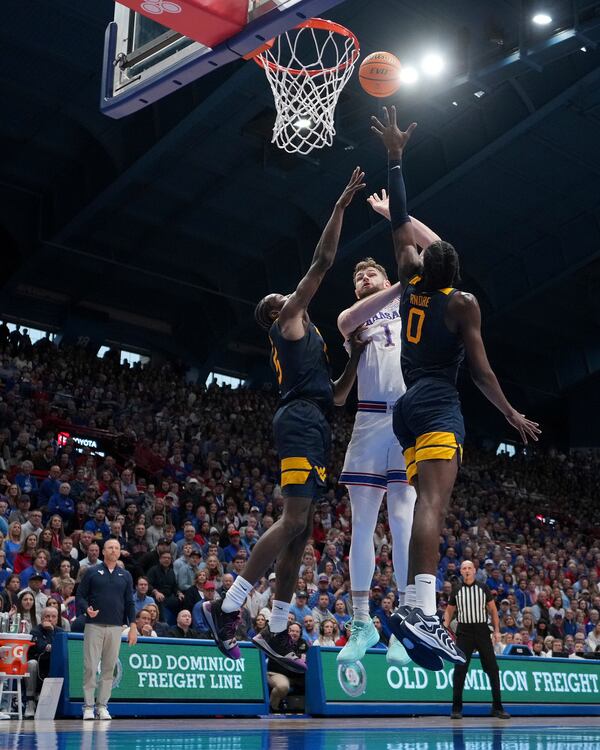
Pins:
x,y
456,715
278,646
223,626
421,654
429,631
499,713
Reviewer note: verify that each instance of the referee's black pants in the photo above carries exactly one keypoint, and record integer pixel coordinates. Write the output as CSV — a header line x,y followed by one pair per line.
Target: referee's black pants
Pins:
x,y
469,638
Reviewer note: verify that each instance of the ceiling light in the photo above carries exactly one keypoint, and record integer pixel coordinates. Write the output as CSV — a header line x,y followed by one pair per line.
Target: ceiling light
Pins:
x,y
408,74
303,123
479,94
542,19
432,64
455,104
583,49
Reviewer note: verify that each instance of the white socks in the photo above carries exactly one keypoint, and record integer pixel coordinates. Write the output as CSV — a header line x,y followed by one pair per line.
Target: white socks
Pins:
x,y
410,596
360,607
279,616
425,584
236,596
401,598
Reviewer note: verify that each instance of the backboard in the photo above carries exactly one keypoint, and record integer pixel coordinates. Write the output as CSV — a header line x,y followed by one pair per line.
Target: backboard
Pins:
x,y
145,61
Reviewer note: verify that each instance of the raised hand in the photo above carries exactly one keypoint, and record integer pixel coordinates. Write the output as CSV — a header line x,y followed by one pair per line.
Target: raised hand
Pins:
x,y
356,183
525,427
393,138
380,205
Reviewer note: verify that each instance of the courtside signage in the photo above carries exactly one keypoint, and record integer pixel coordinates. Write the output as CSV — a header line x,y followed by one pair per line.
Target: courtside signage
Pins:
x,y
541,682
174,672
168,676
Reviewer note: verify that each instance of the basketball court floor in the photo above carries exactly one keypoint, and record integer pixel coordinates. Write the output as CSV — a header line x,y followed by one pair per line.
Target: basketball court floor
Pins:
x,y
432,733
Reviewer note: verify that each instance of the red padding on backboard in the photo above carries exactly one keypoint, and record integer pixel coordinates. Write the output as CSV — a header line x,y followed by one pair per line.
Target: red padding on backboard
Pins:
x,y
209,22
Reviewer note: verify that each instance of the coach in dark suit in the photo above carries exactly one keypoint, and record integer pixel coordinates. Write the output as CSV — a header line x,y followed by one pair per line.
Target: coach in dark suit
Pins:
x,y
472,602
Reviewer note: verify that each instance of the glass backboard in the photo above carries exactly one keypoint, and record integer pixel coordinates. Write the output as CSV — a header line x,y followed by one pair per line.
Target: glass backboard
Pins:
x,y
145,61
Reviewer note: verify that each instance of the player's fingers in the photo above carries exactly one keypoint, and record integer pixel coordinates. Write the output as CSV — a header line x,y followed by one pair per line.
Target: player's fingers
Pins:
x,y
392,115
410,128
386,116
383,194
376,131
377,121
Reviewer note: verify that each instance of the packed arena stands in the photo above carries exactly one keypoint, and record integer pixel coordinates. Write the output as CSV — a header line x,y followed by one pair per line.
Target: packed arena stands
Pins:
x,y
186,478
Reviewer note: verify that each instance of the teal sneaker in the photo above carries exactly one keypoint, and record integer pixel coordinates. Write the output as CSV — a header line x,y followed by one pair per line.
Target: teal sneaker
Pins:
x,y
363,635
397,655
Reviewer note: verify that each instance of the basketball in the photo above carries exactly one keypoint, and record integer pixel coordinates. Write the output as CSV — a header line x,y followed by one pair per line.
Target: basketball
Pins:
x,y
379,74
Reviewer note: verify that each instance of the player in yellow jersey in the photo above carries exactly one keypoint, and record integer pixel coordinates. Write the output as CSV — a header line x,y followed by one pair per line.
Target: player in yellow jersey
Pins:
x,y
439,326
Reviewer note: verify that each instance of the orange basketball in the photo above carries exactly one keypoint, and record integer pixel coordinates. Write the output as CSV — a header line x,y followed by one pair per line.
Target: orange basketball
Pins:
x,y
379,74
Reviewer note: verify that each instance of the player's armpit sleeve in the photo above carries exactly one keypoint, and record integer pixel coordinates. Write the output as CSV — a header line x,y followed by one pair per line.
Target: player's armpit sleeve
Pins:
x,y
397,191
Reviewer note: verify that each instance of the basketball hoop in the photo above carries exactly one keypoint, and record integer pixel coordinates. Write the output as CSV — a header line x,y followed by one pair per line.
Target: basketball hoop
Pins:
x,y
307,68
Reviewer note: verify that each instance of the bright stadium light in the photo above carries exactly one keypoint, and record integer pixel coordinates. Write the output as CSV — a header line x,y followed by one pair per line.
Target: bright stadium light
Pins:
x,y
409,74
303,123
542,19
432,64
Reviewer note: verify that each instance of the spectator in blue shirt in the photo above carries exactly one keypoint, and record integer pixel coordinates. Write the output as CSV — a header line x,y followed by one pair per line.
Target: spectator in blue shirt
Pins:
x,y
300,608
61,504
310,632
232,549
140,595
522,595
384,612
198,619
39,567
49,486
249,539
27,483
340,612
98,526
323,588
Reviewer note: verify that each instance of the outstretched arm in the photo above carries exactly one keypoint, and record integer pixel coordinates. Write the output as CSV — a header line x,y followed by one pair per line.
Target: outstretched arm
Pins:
x,y
405,246
343,385
464,310
424,236
291,317
365,308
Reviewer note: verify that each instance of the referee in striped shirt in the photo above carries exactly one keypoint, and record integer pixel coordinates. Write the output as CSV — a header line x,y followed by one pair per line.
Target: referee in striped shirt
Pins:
x,y
472,602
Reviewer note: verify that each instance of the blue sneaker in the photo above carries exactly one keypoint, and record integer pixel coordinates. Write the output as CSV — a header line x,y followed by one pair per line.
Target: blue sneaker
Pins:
x,y
429,632
363,635
420,654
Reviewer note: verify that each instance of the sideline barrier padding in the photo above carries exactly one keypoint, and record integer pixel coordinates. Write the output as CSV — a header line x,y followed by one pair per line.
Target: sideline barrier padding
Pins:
x,y
176,677
531,686
168,677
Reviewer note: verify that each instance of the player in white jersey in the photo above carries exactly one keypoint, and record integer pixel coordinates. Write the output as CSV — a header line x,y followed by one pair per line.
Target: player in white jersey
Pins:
x,y
374,463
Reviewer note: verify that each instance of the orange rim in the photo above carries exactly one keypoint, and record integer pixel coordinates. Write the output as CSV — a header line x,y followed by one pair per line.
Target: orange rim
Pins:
x,y
324,25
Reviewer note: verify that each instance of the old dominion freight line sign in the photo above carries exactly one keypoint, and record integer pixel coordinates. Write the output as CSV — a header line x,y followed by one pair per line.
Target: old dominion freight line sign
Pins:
x,y
527,680
175,672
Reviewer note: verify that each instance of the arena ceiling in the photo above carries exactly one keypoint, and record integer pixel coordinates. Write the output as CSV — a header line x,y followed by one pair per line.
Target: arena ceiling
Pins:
x,y
161,230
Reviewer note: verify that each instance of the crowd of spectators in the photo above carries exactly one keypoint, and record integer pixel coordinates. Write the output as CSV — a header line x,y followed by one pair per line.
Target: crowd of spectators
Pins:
x,y
195,484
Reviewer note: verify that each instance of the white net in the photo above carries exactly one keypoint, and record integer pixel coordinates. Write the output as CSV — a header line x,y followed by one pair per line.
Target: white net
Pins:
x,y
307,68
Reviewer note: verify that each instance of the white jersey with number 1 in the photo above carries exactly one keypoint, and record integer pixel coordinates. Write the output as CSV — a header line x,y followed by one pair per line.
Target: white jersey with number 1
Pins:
x,y
374,457
379,372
